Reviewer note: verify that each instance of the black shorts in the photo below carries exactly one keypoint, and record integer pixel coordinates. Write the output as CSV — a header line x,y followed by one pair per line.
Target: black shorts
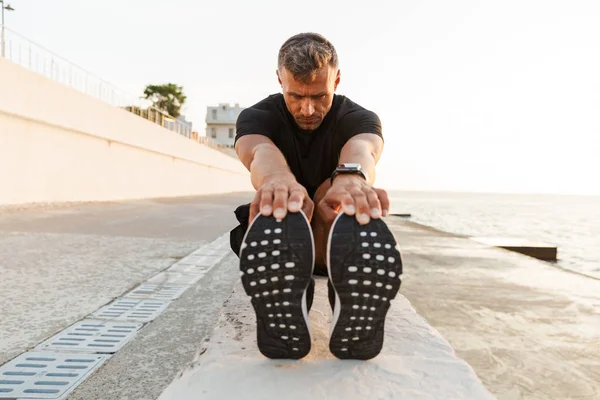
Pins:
x,y
236,236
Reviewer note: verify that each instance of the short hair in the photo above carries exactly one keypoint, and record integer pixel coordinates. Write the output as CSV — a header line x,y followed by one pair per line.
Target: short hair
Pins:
x,y
305,53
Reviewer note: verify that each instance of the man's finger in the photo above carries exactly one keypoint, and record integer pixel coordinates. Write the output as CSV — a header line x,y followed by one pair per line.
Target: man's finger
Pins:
x,y
362,207
296,199
347,203
266,202
340,198
374,204
280,201
308,208
384,200
255,206
327,210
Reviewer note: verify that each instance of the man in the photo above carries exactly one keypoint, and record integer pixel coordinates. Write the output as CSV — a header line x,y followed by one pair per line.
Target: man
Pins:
x,y
312,156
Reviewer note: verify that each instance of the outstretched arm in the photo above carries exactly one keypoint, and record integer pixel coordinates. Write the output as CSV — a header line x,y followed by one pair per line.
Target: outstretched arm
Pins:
x,y
351,193
365,149
277,188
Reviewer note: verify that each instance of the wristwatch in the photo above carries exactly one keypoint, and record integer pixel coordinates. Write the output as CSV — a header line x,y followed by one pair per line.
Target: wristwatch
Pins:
x,y
349,168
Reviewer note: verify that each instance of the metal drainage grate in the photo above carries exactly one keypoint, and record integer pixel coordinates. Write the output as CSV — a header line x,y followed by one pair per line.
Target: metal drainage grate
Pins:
x,y
92,336
175,278
46,375
131,310
156,292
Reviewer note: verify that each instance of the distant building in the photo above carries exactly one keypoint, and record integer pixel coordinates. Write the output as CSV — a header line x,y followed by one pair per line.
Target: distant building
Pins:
x,y
220,123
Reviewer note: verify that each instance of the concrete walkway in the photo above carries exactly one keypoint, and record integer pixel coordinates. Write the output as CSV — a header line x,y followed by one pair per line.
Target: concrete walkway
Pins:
x,y
59,264
528,330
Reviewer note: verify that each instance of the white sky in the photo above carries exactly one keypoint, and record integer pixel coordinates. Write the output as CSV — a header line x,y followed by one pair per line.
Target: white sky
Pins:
x,y
500,96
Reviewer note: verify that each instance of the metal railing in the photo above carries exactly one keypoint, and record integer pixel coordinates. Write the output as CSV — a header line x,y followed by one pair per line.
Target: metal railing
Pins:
x,y
40,60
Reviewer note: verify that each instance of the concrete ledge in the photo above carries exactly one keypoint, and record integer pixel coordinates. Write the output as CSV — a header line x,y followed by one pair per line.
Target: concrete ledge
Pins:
x,y
416,363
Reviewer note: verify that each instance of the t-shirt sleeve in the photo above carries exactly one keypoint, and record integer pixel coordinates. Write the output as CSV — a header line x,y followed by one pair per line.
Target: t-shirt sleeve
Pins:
x,y
357,122
256,121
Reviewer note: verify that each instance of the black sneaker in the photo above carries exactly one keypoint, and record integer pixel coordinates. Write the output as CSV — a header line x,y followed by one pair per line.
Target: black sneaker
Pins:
x,y
365,269
277,260
331,295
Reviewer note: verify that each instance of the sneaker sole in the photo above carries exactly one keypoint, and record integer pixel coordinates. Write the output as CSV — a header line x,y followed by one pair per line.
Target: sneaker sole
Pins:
x,y
365,269
276,262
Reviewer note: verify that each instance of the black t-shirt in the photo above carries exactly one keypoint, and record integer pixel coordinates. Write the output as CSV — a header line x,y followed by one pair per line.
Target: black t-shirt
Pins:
x,y
312,157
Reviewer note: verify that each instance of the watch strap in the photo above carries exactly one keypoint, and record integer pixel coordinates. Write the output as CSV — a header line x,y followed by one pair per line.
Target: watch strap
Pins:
x,y
343,171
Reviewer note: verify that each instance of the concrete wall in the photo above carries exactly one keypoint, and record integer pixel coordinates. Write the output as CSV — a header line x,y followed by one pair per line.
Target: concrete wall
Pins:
x,y
58,145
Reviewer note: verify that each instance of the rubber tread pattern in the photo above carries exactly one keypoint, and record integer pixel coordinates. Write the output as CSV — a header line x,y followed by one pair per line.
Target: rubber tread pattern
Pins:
x,y
364,286
282,327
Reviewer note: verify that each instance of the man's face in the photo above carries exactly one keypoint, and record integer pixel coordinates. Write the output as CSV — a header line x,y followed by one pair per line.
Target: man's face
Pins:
x,y
309,102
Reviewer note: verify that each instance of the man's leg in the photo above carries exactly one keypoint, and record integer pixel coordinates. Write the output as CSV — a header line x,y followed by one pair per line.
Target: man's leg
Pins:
x,y
365,269
320,228
364,276
276,261
236,238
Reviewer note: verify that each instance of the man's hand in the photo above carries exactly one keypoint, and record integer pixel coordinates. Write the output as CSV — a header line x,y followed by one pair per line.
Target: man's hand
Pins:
x,y
354,196
279,194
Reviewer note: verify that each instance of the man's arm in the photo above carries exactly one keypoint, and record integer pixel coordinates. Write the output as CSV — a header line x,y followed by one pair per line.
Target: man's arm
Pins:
x,y
261,157
352,193
365,149
277,188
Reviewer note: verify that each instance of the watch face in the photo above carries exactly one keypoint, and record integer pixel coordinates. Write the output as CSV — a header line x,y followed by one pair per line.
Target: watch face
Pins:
x,y
349,166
